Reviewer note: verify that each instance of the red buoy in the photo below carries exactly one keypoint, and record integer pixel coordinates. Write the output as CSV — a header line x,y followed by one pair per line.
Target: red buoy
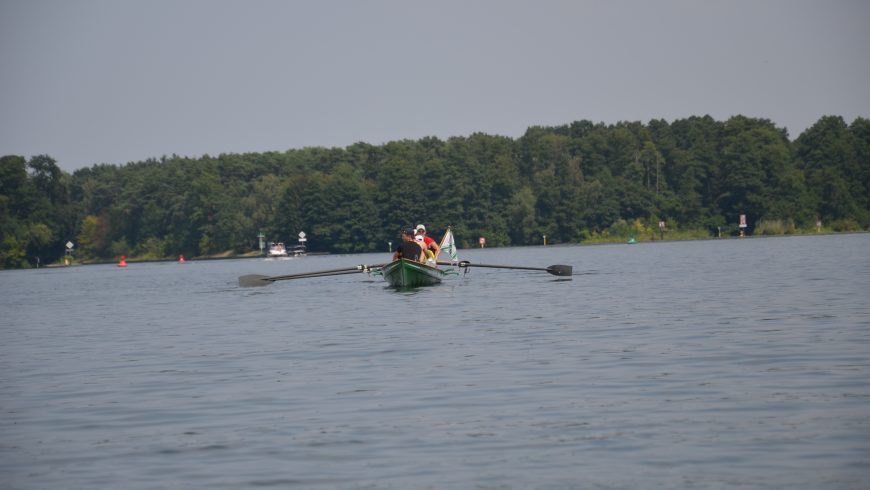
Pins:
x,y
181,259
123,262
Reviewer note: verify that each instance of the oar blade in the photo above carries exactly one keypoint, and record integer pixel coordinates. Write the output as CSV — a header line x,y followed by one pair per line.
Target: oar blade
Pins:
x,y
561,270
254,280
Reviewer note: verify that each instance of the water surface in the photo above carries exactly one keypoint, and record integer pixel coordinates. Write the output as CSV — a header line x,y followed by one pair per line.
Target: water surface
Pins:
x,y
711,364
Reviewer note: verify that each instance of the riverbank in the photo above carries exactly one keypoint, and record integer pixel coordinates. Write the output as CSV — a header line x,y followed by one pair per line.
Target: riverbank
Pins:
x,y
134,260
602,238
630,235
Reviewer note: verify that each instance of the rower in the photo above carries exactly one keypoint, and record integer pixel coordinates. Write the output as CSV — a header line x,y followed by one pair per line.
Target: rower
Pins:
x,y
428,243
408,248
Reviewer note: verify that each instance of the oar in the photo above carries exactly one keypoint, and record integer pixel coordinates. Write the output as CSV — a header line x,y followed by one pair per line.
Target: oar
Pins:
x,y
556,270
253,280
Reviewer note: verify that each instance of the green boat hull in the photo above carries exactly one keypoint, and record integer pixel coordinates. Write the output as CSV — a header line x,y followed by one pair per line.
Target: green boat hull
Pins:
x,y
405,273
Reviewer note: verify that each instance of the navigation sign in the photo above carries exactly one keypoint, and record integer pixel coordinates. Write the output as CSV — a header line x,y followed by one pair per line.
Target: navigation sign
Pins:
x,y
302,237
742,221
68,252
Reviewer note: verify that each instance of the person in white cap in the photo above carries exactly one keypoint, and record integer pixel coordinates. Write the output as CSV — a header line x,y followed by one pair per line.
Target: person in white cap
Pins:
x,y
428,243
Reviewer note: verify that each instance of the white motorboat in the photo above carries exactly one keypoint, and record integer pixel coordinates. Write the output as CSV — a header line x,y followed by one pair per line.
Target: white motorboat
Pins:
x,y
277,250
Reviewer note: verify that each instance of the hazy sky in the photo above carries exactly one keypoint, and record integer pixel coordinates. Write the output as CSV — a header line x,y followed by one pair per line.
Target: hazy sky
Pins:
x,y
114,81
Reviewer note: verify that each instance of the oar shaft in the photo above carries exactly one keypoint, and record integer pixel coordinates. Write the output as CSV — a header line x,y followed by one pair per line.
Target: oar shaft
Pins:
x,y
254,280
556,270
313,274
330,272
302,274
469,264
509,267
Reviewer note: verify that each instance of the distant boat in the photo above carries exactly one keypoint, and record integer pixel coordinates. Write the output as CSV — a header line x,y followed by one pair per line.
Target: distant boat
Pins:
x,y
277,250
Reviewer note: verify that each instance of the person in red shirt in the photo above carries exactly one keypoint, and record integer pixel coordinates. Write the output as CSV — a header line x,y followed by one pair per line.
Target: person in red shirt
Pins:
x,y
428,243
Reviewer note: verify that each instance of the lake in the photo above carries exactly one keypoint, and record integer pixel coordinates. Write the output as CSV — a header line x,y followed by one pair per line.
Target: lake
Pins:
x,y
705,364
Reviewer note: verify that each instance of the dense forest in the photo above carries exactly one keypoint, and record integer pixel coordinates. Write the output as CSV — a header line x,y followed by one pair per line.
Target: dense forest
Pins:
x,y
572,183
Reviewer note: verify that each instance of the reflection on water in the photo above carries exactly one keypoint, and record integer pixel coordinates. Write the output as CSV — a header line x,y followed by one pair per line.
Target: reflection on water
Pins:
x,y
690,365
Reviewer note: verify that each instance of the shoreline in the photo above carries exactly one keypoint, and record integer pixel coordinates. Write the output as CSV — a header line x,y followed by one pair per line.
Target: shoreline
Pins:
x,y
586,243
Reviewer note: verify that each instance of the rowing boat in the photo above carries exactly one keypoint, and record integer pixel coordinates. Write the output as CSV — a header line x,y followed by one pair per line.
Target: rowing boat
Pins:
x,y
404,273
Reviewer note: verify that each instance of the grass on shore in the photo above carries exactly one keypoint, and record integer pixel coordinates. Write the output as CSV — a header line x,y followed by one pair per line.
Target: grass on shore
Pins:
x,y
622,231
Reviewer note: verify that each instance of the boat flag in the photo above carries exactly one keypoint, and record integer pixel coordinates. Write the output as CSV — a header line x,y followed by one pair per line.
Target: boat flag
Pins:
x,y
448,245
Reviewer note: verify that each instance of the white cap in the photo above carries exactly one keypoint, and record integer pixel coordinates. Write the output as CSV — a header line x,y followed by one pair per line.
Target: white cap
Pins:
x,y
420,227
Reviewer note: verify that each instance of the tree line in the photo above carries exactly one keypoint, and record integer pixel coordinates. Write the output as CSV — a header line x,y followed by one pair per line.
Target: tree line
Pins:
x,y
571,183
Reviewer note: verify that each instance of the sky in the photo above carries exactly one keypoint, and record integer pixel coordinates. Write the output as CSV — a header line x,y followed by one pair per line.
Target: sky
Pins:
x,y
115,81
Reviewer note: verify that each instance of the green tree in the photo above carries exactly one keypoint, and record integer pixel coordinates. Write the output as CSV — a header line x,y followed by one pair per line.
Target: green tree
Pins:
x,y
92,239
524,226
828,154
33,210
754,155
